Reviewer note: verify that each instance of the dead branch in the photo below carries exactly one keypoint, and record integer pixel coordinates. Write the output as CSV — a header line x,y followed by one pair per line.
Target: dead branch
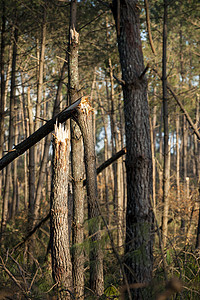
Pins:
x,y
2,265
38,135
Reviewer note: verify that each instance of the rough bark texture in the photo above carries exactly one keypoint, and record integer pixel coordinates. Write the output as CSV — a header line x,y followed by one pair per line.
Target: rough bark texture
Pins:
x,y
78,169
61,259
139,241
96,255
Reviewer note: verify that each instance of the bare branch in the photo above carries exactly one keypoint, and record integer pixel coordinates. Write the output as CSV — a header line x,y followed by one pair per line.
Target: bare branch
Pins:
x,y
149,26
38,135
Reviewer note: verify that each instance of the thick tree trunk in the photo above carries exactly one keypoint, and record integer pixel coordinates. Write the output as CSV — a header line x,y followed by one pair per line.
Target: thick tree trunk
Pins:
x,y
60,251
139,218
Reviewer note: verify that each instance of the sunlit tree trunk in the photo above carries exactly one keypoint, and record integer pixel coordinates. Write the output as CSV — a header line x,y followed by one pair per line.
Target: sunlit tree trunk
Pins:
x,y
60,251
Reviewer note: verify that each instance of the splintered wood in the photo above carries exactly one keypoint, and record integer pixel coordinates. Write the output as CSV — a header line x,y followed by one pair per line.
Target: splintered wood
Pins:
x,y
61,133
85,106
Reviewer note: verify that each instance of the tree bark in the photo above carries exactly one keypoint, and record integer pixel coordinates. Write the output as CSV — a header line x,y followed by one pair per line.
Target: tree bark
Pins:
x,y
96,254
60,251
78,169
11,134
139,218
2,66
166,168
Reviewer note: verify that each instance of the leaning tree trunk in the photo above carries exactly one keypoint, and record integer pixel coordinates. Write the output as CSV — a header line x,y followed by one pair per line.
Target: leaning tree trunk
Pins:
x,y
85,121
60,251
139,217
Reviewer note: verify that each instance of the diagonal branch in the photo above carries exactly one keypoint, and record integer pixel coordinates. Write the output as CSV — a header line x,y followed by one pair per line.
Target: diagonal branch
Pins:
x,y
188,118
38,135
149,26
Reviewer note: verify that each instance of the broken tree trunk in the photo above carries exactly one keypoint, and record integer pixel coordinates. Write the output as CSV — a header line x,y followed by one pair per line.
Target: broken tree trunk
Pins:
x,y
61,259
64,115
96,255
77,160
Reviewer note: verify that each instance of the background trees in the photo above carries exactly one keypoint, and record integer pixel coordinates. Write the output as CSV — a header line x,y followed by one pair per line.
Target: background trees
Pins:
x,y
34,85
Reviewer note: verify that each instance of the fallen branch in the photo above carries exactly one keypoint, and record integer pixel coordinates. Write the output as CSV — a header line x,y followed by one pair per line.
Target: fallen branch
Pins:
x,y
33,231
111,160
38,135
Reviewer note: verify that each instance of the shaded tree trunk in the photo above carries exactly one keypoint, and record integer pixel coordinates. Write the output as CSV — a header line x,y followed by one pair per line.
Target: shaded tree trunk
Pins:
x,y
85,121
11,134
139,218
2,103
166,168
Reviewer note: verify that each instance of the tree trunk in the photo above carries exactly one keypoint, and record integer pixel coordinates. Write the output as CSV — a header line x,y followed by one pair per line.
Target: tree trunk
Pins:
x,y
166,168
78,169
60,251
85,121
139,218
177,157
2,66
11,134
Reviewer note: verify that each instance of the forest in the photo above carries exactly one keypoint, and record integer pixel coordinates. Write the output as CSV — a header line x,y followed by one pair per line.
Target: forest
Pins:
x,y
99,149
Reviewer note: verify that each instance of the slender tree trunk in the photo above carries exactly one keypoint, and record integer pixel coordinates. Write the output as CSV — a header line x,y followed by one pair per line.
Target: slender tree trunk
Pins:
x,y
2,103
11,134
14,181
198,229
160,166
41,69
85,121
31,166
139,217
177,158
25,134
104,120
153,164
78,169
60,251
166,169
